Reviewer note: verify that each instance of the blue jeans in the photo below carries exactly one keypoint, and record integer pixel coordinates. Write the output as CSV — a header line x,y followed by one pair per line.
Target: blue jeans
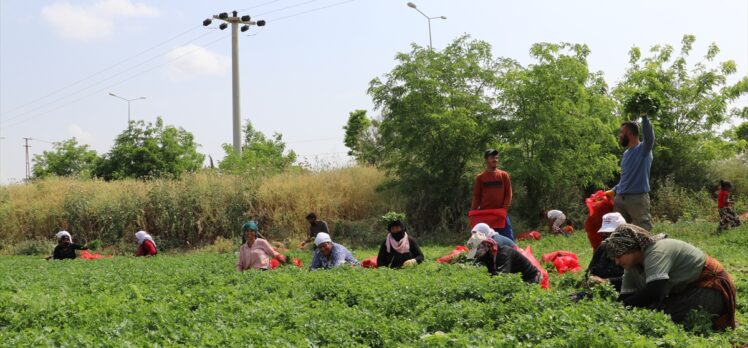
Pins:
x,y
507,230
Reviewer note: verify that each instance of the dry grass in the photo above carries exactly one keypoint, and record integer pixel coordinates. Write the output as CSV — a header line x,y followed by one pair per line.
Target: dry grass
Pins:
x,y
189,212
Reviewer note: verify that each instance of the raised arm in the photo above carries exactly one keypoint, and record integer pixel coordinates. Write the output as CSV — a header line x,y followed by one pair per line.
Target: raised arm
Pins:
x,y
648,134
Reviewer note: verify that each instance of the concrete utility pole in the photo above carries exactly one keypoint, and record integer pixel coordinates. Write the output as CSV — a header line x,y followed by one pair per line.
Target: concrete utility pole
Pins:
x,y
28,166
235,20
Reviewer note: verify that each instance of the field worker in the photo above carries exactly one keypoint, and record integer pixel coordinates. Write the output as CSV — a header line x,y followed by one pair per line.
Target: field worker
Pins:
x,y
315,226
146,245
256,252
556,219
330,255
493,190
502,259
632,192
672,276
727,216
489,232
602,268
65,248
398,249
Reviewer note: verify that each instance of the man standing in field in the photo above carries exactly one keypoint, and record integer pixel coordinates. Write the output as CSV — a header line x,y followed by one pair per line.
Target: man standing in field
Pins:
x,y
315,226
493,190
632,192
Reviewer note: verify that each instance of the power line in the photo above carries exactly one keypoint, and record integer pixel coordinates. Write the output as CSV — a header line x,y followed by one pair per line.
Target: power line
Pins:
x,y
260,5
287,7
115,84
40,107
309,11
100,71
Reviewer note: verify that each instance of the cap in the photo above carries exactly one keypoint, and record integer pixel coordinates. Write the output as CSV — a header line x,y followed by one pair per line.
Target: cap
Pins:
x,y
490,152
611,221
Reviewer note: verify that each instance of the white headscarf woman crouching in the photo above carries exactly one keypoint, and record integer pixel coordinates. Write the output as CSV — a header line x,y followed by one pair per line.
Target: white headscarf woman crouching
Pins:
x,y
143,236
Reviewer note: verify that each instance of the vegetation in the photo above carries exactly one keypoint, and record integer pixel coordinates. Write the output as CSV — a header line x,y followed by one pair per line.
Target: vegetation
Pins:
x,y
67,159
260,155
199,299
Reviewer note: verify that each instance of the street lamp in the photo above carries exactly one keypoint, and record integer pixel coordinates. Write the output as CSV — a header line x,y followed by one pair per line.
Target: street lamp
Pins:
x,y
413,6
128,105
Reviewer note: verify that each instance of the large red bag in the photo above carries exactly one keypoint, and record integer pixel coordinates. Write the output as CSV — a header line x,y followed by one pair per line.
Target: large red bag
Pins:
x,y
370,262
564,261
88,256
598,205
495,218
544,283
449,258
535,235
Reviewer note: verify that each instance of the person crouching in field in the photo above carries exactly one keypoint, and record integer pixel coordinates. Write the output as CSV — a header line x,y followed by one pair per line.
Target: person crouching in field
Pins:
x,y
398,249
146,245
330,255
602,268
672,276
727,216
503,259
256,252
65,248
489,232
556,220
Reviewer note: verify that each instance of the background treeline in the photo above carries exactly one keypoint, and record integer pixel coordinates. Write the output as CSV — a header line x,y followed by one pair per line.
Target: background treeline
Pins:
x,y
554,122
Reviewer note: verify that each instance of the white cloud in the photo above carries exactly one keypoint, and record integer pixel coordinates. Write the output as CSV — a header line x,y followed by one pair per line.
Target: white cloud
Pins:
x,y
82,136
193,60
97,21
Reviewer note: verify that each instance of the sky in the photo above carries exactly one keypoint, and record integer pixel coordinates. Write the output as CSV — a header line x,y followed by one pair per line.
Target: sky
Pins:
x,y
301,74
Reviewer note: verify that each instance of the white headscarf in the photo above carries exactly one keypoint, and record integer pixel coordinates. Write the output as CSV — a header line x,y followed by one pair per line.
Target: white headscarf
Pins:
x,y
485,229
143,236
60,234
322,237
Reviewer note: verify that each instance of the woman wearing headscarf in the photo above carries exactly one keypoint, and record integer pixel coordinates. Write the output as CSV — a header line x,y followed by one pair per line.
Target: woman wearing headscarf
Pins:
x,y
490,233
672,276
146,245
330,255
65,248
256,252
398,249
502,259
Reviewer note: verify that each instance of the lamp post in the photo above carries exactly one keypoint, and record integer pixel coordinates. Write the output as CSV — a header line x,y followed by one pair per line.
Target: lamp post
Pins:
x,y
128,105
413,6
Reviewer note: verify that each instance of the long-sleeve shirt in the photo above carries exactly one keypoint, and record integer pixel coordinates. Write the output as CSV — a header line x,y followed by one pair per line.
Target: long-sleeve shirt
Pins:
x,y
636,164
66,251
256,256
492,190
394,259
147,248
339,255
319,226
509,260
602,266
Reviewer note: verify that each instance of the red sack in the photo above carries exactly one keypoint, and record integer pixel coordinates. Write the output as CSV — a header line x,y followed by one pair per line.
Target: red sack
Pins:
x,y
449,258
565,264
529,235
494,218
564,261
544,283
598,204
370,262
297,262
88,256
274,263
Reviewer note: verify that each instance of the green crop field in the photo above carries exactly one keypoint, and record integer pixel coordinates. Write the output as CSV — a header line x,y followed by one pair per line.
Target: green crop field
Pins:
x,y
198,299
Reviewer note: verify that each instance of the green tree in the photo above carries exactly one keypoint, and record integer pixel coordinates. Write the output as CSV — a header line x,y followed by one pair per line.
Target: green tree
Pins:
x,y
693,103
362,138
260,154
559,128
438,115
67,159
150,151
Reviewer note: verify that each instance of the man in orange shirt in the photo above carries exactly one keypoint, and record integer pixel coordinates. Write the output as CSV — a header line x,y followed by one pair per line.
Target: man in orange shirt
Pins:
x,y
493,190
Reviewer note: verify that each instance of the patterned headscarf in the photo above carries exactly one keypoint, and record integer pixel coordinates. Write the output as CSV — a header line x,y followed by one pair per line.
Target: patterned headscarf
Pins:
x,y
628,238
486,246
